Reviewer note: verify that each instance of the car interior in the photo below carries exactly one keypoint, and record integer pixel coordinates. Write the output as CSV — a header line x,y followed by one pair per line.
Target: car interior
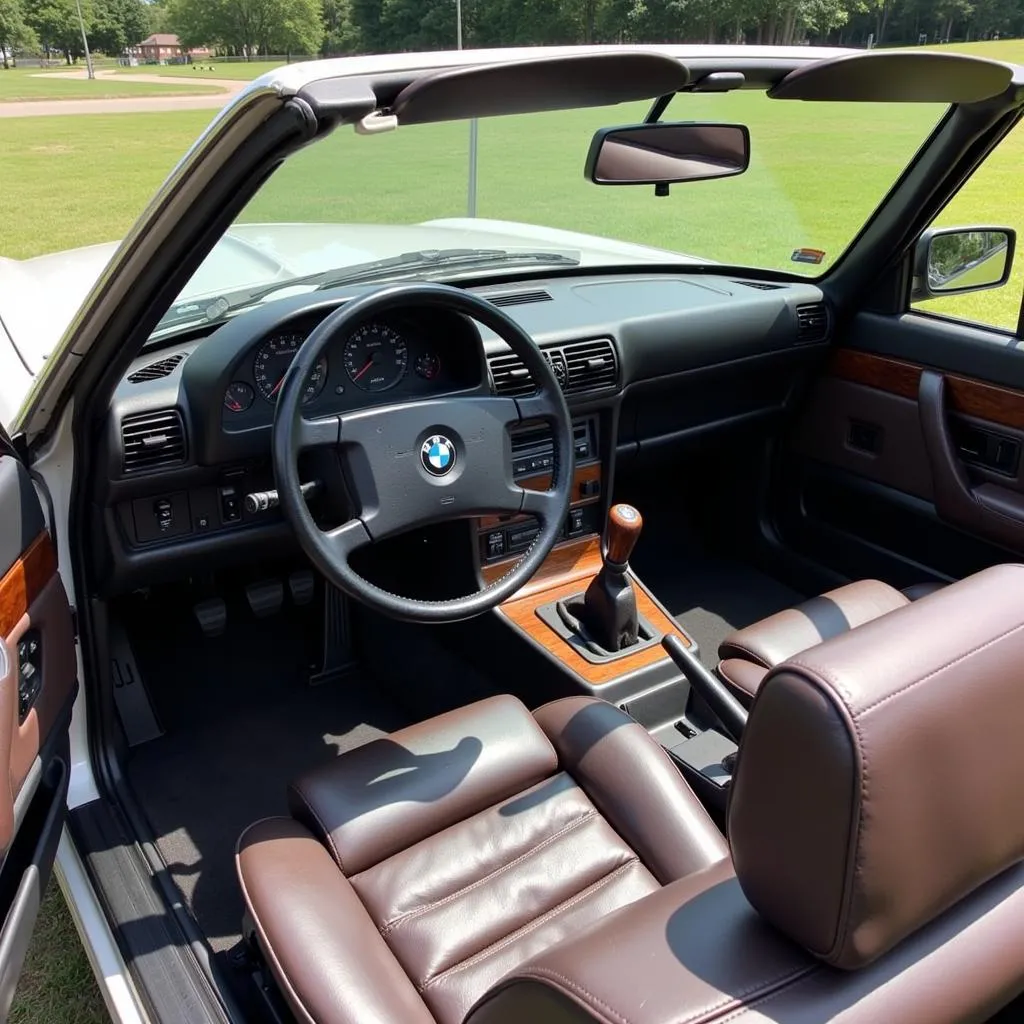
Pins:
x,y
737,546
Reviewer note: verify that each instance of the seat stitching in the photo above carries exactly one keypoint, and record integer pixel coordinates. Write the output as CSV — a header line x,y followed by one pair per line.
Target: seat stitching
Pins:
x,y
323,828
530,926
573,986
389,926
777,988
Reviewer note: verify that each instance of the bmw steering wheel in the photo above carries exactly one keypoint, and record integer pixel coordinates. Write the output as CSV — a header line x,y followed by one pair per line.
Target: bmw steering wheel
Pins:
x,y
411,463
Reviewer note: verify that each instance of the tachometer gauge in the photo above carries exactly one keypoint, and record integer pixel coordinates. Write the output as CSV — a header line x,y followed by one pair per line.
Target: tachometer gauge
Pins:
x,y
376,357
238,396
428,365
274,357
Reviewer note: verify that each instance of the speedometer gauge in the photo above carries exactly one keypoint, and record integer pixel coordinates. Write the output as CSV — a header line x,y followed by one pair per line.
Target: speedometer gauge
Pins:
x,y
376,357
274,357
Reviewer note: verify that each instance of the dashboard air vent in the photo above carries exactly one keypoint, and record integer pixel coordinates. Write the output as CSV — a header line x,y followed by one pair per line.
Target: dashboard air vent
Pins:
x,y
153,440
509,375
590,365
519,298
763,286
811,322
154,371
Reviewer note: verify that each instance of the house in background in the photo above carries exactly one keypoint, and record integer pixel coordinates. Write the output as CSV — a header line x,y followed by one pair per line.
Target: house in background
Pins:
x,y
164,48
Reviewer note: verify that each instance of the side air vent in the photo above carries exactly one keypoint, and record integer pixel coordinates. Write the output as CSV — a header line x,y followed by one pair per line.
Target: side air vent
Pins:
x,y
811,322
154,371
580,366
591,365
763,286
519,298
153,440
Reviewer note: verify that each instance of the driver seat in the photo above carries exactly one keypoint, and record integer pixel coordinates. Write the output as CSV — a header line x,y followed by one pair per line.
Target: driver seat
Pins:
x,y
494,867
419,869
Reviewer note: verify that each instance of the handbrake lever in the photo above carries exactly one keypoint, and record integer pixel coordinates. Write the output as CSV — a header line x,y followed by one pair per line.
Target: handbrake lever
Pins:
x,y
729,711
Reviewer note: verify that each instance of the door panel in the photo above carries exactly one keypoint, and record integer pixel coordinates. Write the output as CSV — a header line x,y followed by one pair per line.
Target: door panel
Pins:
x,y
38,682
929,465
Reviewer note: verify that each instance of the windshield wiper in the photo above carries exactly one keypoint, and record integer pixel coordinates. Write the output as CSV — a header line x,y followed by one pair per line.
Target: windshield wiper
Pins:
x,y
213,309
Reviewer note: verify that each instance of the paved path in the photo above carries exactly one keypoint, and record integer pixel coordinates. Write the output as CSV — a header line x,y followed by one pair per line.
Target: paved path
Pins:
x,y
129,104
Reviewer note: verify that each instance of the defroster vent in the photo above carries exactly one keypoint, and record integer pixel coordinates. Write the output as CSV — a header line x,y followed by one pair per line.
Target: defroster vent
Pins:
x,y
153,440
154,371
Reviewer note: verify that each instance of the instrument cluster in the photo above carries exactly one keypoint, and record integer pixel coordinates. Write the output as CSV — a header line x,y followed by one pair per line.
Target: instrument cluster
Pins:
x,y
377,362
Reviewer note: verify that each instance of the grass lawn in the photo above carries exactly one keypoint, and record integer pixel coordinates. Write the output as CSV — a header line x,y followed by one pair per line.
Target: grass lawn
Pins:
x,y
240,71
817,172
57,985
27,84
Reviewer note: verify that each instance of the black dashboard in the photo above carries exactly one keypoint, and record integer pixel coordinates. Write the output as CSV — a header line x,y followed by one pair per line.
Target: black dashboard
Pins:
x,y
647,359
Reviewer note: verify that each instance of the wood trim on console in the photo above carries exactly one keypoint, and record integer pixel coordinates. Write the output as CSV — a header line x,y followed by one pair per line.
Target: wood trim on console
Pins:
x,y
988,402
24,581
541,482
567,571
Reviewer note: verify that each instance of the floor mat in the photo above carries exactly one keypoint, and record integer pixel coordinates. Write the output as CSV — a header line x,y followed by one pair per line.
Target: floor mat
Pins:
x,y
711,596
241,721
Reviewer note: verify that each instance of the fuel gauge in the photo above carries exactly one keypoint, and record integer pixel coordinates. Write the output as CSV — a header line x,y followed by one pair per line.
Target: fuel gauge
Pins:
x,y
428,365
238,397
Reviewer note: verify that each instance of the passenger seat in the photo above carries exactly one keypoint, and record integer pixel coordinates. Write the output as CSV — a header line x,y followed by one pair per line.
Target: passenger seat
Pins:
x,y
747,655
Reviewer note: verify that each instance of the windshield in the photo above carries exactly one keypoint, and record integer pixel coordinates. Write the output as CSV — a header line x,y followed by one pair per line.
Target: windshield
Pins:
x,y
404,204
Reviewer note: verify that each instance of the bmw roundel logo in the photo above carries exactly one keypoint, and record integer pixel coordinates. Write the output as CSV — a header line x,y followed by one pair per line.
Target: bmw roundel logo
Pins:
x,y
437,455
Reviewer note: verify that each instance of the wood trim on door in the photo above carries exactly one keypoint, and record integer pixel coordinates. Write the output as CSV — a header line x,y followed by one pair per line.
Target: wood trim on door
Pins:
x,y
969,397
24,581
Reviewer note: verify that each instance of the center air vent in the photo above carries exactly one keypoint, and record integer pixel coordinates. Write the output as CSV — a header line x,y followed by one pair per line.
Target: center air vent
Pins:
x,y
153,440
154,371
811,322
579,366
518,298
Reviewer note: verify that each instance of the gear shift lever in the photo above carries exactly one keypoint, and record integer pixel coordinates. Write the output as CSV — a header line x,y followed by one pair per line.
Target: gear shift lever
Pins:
x,y
609,605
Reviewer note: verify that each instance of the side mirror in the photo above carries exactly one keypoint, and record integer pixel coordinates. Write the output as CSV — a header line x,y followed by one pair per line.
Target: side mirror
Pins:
x,y
665,154
952,261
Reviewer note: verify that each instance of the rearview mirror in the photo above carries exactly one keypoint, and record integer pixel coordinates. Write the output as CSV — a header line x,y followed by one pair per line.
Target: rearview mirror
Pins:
x,y
951,261
666,154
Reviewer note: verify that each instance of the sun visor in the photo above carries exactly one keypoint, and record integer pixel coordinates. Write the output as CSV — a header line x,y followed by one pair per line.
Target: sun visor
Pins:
x,y
896,76
552,83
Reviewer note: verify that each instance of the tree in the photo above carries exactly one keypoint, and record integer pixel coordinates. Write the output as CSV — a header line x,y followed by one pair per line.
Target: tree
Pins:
x,y
118,24
341,34
15,33
57,25
249,27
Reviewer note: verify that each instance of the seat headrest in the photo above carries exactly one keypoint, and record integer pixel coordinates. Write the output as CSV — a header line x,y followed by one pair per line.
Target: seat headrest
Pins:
x,y
880,776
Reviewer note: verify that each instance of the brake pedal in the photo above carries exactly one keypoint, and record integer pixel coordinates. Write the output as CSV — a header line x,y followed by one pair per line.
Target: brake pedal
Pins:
x,y
265,598
301,586
212,616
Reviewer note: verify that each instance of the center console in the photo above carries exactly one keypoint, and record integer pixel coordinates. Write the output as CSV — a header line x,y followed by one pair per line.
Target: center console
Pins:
x,y
590,617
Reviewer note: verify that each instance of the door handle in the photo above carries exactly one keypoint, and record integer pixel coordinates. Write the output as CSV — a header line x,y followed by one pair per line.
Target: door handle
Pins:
x,y
988,509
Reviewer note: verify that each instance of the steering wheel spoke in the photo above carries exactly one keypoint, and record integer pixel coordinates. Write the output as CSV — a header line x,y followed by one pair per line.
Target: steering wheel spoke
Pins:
x,y
318,433
345,539
545,505
537,406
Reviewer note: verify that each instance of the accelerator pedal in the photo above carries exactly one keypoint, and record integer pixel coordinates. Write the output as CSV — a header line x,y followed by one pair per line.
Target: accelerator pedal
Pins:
x,y
337,660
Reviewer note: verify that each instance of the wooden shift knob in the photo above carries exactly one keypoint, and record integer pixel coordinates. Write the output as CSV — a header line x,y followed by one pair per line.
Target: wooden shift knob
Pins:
x,y
622,533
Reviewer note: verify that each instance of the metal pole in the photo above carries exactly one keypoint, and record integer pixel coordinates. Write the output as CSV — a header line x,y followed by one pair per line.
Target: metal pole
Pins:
x,y
473,129
85,42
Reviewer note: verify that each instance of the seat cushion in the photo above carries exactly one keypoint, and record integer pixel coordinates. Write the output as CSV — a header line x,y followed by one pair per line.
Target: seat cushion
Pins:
x,y
747,654
460,848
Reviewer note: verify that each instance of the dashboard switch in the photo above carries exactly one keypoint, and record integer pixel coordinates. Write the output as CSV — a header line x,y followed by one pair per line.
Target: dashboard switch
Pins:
x,y
495,544
230,505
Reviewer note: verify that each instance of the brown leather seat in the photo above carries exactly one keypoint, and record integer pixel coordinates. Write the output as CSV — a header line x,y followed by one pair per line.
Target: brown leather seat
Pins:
x,y
876,838
419,869
494,867
747,655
